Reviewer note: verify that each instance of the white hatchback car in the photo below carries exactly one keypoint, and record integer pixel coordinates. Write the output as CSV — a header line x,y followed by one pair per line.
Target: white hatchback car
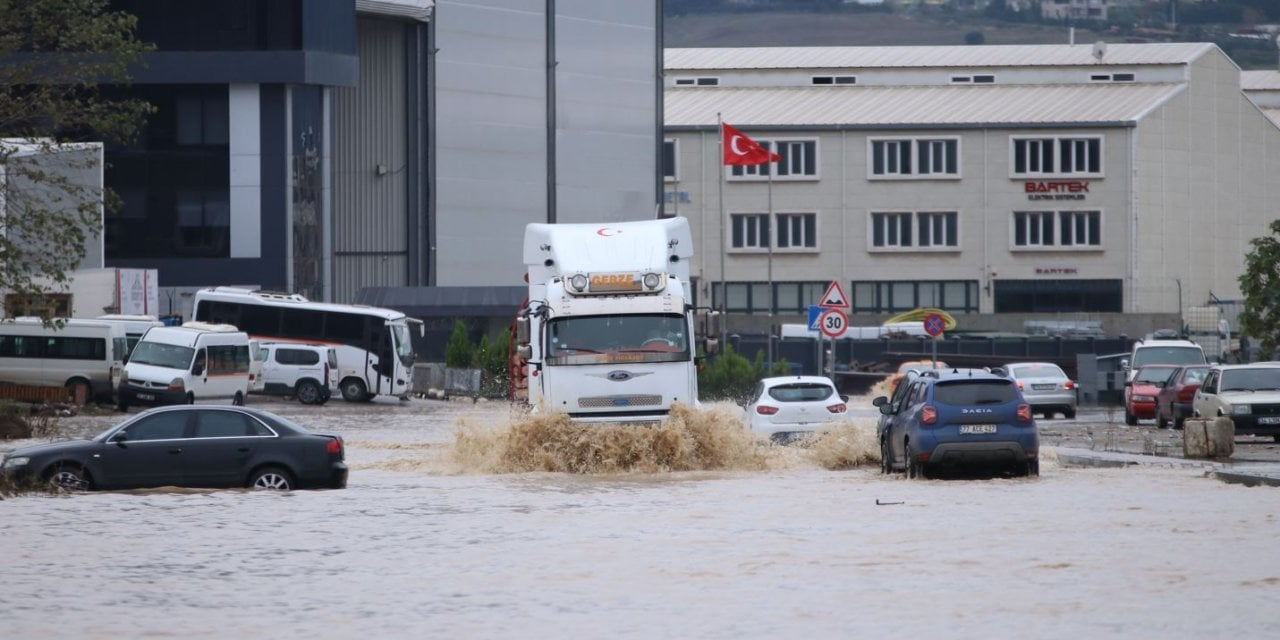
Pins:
x,y
788,407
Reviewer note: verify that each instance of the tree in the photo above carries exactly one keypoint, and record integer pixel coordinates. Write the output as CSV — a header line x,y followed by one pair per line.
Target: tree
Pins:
x,y
61,60
459,353
1260,285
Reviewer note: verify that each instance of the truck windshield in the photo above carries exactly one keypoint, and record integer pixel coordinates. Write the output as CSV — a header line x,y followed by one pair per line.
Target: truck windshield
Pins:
x,y
617,338
169,356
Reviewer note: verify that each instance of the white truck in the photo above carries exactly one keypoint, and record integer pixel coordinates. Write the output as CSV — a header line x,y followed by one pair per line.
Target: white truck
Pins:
x,y
607,334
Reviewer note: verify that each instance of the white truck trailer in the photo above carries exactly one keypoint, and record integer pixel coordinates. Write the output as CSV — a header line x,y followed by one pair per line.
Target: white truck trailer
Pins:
x,y
607,334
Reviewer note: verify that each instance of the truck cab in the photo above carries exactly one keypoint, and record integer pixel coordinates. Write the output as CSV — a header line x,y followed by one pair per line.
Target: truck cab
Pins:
x,y
607,335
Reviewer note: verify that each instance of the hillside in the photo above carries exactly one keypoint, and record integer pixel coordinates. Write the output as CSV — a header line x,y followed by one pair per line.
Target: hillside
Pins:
x,y
759,29
844,28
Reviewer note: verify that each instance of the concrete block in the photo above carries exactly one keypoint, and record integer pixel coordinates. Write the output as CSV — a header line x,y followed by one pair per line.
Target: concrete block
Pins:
x,y
1203,438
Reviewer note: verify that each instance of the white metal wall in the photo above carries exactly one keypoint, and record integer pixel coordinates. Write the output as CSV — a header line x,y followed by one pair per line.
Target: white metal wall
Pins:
x,y
490,125
370,180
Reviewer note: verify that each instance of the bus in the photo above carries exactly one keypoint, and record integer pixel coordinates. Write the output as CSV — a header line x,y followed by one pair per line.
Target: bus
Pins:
x,y
375,352
85,356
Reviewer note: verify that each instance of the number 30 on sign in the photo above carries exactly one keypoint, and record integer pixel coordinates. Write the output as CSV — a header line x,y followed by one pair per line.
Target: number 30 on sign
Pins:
x,y
833,323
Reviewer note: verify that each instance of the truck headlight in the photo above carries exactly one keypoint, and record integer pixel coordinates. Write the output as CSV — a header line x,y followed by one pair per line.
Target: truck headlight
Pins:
x,y
578,282
1240,410
14,463
651,281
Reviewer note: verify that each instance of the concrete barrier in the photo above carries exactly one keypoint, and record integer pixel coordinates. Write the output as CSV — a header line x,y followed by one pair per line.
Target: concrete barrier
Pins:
x,y
1202,438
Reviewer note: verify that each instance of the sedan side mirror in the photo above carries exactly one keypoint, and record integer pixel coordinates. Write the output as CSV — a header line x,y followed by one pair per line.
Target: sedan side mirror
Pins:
x,y
119,437
886,409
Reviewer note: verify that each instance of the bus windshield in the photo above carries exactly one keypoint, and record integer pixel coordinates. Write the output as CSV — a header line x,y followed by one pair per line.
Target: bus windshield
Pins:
x,y
403,344
169,356
617,338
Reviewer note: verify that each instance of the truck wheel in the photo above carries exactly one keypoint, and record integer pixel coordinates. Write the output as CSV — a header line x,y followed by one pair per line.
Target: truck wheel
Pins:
x,y
308,392
353,390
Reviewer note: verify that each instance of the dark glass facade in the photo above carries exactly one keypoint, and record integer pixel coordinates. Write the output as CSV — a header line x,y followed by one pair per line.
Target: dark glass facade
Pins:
x,y
1054,296
174,181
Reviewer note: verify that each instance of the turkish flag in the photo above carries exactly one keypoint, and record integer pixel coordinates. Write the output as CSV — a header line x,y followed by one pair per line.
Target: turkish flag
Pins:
x,y
741,150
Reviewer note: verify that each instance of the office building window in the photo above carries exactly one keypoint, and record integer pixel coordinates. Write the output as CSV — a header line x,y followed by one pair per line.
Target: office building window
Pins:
x,y
1057,229
749,230
798,160
797,231
893,296
1057,156
915,231
1055,296
670,173
914,158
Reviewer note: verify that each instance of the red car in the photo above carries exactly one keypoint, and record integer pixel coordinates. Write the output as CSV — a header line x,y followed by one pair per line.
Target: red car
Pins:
x,y
1140,393
1173,403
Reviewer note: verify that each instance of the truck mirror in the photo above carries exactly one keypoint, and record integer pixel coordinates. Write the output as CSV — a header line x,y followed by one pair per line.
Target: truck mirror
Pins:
x,y
712,346
522,330
524,351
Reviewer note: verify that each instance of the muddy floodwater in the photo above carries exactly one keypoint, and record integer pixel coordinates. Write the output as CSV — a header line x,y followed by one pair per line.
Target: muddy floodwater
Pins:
x,y
464,521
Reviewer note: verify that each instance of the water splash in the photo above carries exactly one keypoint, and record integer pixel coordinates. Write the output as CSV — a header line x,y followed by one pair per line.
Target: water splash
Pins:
x,y
712,437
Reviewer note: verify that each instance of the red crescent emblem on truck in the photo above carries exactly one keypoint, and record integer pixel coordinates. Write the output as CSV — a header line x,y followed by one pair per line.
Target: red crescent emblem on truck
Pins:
x,y
607,232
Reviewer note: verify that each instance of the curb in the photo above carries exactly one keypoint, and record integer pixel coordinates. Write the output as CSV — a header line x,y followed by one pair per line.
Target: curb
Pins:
x,y
1247,475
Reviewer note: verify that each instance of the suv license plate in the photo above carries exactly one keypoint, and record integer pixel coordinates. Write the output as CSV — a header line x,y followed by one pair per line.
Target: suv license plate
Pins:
x,y
146,396
1269,420
977,428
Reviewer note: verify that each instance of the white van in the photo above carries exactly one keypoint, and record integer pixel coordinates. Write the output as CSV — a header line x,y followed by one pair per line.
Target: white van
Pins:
x,y
308,372
196,362
1161,350
85,356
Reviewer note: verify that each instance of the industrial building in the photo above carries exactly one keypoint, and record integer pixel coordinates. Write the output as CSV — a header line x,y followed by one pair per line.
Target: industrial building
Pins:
x,y
1116,184
323,146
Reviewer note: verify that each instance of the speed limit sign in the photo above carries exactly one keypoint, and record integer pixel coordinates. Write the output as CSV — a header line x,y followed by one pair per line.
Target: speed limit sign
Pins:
x,y
833,323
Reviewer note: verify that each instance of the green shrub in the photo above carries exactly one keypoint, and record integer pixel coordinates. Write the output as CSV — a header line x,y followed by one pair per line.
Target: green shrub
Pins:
x,y
730,376
459,353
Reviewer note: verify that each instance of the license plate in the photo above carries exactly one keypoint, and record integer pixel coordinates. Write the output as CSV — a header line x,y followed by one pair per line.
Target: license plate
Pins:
x,y
1043,387
977,428
146,396
1269,420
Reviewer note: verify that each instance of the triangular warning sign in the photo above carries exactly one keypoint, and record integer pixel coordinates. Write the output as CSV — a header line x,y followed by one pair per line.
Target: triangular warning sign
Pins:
x,y
834,298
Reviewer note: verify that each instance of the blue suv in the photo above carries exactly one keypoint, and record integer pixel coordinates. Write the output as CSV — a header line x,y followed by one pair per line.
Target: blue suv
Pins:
x,y
958,418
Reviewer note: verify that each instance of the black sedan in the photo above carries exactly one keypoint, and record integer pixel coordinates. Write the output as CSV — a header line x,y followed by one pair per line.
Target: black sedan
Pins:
x,y
188,446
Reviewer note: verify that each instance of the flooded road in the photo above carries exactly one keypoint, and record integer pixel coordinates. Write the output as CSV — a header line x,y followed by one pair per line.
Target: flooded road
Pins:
x,y
429,540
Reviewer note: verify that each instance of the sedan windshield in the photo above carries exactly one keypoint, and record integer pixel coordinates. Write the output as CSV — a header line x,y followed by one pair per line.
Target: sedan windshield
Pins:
x,y
1254,379
169,356
1037,371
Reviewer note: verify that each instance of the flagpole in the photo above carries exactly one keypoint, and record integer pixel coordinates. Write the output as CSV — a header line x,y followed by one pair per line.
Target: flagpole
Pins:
x,y
773,232
724,294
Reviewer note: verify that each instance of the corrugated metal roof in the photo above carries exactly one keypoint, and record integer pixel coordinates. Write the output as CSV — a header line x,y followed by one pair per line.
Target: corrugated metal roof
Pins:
x,y
916,105
1260,80
1031,55
414,9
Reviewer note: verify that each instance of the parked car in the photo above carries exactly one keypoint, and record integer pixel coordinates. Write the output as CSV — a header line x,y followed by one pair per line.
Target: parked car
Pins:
x,y
786,407
955,419
1173,403
308,372
1046,387
188,446
1140,392
1247,393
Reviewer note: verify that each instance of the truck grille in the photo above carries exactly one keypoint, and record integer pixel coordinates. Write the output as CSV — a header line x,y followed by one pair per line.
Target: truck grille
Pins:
x,y
598,402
